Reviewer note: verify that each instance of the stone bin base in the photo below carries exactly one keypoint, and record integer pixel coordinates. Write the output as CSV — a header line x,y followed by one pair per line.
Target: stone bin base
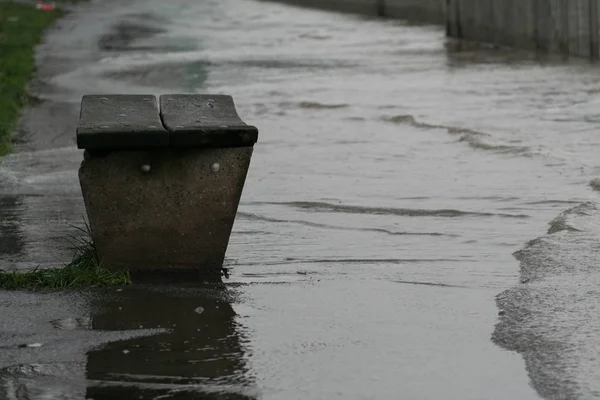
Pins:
x,y
164,209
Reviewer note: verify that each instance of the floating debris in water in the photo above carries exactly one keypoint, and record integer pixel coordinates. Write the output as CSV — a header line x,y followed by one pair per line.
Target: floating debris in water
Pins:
x,y
199,310
125,351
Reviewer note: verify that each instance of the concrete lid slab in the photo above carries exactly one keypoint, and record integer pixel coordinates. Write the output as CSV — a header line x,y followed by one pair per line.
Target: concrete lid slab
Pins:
x,y
204,121
120,122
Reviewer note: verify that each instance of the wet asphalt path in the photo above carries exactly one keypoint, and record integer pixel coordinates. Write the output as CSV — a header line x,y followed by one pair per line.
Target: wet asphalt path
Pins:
x,y
395,176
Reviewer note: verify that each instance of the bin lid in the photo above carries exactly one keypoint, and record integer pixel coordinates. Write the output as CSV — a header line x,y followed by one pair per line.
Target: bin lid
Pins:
x,y
120,122
204,121
134,122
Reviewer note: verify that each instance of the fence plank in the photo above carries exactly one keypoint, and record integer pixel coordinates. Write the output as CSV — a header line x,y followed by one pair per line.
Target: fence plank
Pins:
x,y
594,26
573,27
583,23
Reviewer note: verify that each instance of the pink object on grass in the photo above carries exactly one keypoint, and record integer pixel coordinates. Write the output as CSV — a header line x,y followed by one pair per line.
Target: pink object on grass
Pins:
x,y
44,6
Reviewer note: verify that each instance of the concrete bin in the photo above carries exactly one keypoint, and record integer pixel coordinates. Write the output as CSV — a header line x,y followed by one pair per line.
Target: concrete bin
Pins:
x,y
161,188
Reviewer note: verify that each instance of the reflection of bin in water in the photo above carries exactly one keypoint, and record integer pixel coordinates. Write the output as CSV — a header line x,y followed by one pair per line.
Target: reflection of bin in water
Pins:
x,y
201,357
12,241
162,190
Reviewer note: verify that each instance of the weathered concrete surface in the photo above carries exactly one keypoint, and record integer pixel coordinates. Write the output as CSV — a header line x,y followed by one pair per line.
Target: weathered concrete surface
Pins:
x,y
176,216
173,196
551,317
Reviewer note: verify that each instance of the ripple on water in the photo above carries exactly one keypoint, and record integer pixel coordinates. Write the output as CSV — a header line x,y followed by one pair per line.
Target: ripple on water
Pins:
x,y
475,139
313,206
257,217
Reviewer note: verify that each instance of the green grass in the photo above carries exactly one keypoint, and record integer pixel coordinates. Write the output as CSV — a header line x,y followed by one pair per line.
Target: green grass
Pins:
x,y
84,271
21,29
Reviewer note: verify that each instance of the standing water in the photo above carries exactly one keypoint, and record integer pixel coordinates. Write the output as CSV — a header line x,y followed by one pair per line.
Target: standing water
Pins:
x,y
394,178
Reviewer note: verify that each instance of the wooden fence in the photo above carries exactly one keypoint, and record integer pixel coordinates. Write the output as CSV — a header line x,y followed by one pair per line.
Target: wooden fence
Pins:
x,y
558,26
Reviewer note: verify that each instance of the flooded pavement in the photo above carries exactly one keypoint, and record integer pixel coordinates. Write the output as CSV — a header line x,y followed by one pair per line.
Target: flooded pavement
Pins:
x,y
394,177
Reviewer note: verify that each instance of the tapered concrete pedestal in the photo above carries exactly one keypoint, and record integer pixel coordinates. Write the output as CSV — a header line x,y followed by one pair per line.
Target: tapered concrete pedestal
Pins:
x,y
161,190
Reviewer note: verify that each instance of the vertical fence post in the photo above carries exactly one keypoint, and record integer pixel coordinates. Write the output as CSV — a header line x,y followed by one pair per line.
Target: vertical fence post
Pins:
x,y
594,29
566,46
381,8
573,26
453,18
449,14
583,34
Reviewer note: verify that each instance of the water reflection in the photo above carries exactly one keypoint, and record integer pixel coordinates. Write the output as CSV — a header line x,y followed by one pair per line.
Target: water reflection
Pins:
x,y
12,241
465,54
200,356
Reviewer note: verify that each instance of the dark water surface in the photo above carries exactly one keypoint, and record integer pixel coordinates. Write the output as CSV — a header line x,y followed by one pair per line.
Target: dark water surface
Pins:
x,y
394,178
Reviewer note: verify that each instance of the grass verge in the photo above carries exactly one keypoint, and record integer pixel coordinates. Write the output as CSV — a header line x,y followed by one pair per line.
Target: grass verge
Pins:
x,y
21,29
84,271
